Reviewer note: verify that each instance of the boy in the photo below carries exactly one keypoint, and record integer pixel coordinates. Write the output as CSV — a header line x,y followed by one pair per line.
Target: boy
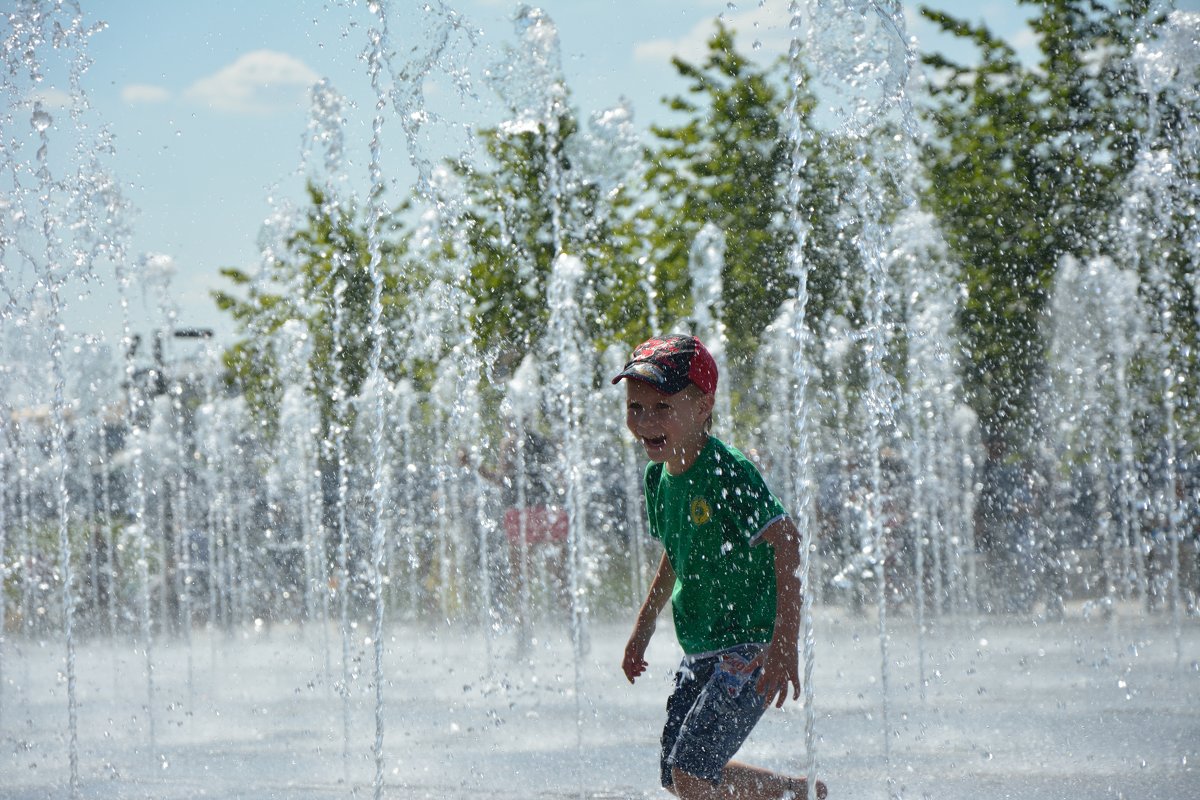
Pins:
x,y
729,569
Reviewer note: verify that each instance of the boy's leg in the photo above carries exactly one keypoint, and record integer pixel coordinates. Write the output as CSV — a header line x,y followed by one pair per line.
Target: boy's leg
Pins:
x,y
689,683
746,782
708,721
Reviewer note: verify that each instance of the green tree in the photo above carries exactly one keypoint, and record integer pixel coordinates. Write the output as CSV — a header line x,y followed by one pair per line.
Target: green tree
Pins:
x,y
728,164
1026,167
531,200
322,270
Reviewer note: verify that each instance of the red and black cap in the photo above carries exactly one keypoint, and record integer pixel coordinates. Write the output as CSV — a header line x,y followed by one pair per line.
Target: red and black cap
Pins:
x,y
669,363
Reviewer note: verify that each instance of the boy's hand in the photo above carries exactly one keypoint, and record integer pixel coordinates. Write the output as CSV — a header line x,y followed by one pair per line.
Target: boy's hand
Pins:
x,y
780,659
634,662
781,666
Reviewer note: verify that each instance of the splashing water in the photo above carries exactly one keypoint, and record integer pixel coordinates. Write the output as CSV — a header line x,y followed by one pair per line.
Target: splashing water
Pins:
x,y
39,243
412,531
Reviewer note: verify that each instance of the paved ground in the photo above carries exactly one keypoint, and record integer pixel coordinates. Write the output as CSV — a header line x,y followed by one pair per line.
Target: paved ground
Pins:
x,y
1074,710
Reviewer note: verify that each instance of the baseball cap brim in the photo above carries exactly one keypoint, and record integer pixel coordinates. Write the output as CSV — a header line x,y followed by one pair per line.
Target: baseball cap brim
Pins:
x,y
653,375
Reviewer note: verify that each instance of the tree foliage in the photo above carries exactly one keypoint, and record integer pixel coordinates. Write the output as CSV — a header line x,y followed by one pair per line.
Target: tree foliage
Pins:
x,y
1026,166
728,163
322,270
530,201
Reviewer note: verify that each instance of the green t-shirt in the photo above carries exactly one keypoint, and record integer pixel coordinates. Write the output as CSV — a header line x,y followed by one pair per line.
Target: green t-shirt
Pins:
x,y
709,520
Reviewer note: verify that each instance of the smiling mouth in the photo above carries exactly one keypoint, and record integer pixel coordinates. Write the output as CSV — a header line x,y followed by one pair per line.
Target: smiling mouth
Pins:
x,y
655,441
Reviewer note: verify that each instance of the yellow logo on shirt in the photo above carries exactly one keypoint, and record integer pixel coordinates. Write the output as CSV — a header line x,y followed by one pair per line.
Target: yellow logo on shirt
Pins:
x,y
701,513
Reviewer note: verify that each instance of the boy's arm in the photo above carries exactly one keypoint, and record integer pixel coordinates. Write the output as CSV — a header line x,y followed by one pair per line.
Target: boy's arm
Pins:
x,y
634,662
780,660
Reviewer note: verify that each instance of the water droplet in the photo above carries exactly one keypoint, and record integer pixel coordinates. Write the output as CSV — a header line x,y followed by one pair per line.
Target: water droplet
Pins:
x,y
41,120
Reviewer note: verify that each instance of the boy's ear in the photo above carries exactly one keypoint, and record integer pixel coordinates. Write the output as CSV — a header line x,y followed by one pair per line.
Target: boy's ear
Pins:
x,y
707,403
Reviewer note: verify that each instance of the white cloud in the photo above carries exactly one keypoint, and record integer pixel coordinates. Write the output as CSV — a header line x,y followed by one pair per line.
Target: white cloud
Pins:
x,y
763,31
144,94
51,98
256,83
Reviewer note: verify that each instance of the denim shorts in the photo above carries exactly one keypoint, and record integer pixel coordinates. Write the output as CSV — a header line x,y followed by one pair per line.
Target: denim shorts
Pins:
x,y
711,712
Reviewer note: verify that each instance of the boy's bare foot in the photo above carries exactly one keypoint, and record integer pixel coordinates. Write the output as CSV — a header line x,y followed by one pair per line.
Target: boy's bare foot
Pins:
x,y
798,788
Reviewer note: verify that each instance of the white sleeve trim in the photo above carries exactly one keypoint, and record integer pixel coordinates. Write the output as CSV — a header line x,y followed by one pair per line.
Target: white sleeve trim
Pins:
x,y
754,539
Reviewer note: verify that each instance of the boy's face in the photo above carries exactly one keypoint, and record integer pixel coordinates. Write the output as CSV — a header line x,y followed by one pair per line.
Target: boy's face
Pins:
x,y
670,427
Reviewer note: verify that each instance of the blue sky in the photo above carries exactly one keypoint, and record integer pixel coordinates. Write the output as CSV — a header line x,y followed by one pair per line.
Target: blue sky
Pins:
x,y
208,102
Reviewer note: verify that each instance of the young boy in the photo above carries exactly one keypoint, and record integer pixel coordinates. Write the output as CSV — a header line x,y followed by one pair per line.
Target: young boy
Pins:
x,y
730,571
